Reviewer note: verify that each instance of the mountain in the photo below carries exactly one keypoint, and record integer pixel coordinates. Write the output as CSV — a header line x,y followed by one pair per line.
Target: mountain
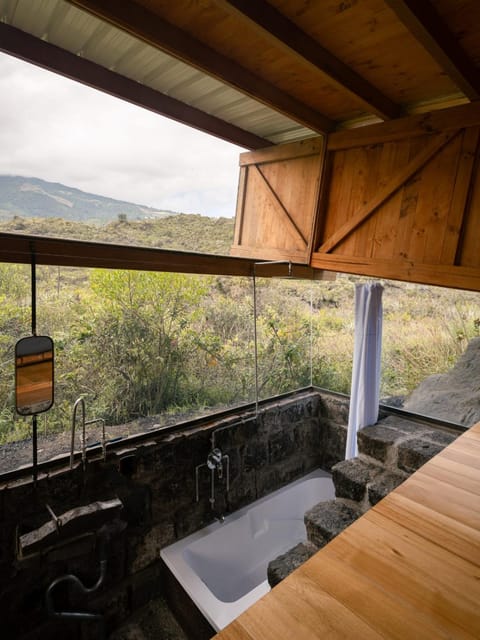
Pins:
x,y
32,197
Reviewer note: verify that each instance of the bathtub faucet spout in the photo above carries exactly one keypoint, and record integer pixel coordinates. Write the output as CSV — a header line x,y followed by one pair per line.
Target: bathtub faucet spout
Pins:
x,y
220,517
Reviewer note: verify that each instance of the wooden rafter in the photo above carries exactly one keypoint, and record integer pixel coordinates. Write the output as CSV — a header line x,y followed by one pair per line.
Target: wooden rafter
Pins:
x,y
422,20
152,29
284,32
466,115
385,192
22,45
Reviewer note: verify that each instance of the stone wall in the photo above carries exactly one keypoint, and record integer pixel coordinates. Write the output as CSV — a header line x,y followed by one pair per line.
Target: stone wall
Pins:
x,y
333,416
154,477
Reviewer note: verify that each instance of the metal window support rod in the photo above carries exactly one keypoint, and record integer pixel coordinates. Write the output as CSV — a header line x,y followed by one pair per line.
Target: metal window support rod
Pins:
x,y
271,263
33,282
255,337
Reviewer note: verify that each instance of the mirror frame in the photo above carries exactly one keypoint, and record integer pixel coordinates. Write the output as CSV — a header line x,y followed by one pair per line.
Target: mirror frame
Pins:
x,y
34,366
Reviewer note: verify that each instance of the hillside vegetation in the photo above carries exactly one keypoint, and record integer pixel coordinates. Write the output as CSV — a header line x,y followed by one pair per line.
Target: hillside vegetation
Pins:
x,y
143,344
181,232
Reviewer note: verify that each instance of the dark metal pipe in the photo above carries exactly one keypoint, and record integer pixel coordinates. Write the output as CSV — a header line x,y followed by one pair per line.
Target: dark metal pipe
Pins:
x,y
77,583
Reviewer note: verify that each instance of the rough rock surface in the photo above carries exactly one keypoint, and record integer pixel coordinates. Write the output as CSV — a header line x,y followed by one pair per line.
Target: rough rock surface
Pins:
x,y
374,441
283,566
382,485
327,519
412,454
350,478
452,396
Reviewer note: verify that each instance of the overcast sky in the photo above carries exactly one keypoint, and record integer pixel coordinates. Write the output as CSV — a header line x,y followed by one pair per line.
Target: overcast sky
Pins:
x,y
62,131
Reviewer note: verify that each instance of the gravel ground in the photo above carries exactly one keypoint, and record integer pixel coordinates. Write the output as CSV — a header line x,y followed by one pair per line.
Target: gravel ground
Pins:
x,y
17,454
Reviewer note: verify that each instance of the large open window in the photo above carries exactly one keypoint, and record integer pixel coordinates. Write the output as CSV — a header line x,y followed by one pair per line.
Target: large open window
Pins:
x,y
77,163
148,349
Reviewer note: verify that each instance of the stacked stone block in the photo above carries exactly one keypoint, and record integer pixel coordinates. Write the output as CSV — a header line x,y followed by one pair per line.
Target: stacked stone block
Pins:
x,y
389,452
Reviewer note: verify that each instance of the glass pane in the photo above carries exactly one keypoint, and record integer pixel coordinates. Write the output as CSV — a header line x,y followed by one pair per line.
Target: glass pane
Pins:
x,y
283,344
143,349
425,332
333,332
89,166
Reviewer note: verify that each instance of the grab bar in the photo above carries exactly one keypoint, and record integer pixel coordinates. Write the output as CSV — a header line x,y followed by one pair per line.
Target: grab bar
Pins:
x,y
79,402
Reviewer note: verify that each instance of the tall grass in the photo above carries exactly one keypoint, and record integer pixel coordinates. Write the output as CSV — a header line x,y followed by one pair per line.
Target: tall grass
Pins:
x,y
121,344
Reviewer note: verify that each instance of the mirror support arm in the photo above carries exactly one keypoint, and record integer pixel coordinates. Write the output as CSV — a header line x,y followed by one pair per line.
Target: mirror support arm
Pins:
x,y
33,281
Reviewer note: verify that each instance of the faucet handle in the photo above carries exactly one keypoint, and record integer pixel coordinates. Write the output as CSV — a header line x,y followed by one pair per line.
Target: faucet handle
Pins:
x,y
214,459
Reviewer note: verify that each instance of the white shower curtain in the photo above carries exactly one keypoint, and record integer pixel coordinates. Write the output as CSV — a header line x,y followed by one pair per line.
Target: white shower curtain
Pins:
x,y
365,390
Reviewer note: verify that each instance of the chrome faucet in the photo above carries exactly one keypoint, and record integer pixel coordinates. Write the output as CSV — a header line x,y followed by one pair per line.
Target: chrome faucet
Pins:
x,y
215,461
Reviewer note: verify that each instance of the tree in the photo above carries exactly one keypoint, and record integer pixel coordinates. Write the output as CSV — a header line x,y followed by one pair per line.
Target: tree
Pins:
x,y
143,339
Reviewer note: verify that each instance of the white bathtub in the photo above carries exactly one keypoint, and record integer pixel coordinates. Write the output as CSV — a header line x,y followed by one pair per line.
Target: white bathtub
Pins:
x,y
223,567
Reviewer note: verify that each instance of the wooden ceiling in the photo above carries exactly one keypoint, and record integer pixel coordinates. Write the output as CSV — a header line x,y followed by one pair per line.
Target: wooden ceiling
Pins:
x,y
260,73
324,64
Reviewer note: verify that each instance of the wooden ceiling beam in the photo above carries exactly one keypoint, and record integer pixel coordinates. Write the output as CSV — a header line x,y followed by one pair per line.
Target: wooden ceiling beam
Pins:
x,y
151,28
284,32
424,23
441,121
76,253
22,45
16,248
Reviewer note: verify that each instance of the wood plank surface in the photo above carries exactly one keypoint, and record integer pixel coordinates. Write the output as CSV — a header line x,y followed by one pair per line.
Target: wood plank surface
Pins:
x,y
401,269
408,568
288,151
469,250
279,208
277,202
467,115
395,182
463,181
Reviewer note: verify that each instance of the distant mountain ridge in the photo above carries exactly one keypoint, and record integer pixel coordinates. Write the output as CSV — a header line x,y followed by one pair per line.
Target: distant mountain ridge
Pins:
x,y
33,197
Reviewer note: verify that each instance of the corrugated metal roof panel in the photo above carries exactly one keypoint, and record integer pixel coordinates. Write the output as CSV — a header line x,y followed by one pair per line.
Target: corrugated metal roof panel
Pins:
x,y
72,29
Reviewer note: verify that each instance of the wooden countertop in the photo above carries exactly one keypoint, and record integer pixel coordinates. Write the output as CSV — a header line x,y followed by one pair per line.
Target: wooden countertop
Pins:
x,y
407,569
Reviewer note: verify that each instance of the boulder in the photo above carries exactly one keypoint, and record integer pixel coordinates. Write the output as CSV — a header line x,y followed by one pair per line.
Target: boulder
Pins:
x,y
452,396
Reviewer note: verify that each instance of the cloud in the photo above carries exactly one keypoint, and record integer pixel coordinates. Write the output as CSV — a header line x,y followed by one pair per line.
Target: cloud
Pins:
x,y
61,131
